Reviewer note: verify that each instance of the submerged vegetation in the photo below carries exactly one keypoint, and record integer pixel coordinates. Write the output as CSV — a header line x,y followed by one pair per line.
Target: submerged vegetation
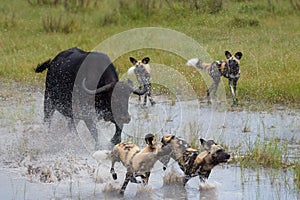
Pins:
x,y
267,32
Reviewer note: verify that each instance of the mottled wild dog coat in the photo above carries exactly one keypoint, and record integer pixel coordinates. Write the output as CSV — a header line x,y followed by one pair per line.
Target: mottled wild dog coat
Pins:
x,y
138,162
142,71
229,68
193,162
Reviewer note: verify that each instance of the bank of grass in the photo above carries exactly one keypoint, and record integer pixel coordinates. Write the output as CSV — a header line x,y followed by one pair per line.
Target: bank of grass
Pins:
x,y
270,154
266,32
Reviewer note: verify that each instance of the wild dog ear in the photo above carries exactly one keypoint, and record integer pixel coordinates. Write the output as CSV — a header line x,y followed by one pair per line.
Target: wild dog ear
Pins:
x,y
227,54
207,144
202,141
238,55
167,139
146,60
133,60
149,139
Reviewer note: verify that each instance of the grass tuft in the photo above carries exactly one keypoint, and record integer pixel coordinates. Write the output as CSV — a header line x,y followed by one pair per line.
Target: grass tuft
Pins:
x,y
271,154
59,24
297,175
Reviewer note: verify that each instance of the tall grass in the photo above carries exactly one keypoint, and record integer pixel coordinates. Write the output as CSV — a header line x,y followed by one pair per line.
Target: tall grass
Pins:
x,y
267,32
297,174
266,153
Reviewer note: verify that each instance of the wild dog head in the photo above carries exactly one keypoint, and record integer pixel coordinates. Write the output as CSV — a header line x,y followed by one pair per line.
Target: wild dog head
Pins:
x,y
151,144
141,69
233,62
215,153
200,163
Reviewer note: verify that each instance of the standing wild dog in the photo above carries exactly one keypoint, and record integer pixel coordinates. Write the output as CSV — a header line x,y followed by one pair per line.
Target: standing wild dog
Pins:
x,y
142,71
229,68
191,161
138,162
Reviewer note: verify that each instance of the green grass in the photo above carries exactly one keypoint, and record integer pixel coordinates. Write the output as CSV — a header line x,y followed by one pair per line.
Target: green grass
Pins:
x,y
267,32
271,154
297,175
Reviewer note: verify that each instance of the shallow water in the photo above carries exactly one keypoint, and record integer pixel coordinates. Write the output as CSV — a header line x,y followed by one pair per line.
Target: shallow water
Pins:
x,y
25,142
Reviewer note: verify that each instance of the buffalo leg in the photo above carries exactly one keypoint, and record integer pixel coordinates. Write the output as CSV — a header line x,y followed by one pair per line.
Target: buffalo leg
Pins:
x,y
72,125
48,110
93,129
117,137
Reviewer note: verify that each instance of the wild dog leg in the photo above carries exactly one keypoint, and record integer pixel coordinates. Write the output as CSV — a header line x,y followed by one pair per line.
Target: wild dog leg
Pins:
x,y
203,176
213,88
128,177
145,99
140,88
146,178
232,85
186,179
149,95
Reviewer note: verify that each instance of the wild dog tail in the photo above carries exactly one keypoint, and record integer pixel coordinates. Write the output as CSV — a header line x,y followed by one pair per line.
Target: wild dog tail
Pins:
x,y
41,67
101,155
196,62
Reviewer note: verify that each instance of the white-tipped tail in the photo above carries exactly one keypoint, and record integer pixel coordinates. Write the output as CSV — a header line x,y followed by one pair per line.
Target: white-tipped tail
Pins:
x,y
131,70
101,155
193,62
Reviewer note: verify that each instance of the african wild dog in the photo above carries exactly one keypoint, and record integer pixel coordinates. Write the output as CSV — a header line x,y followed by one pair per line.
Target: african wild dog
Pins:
x,y
138,162
191,161
142,71
229,68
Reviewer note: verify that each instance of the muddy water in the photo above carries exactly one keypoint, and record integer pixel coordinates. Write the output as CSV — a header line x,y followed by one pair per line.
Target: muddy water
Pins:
x,y
37,163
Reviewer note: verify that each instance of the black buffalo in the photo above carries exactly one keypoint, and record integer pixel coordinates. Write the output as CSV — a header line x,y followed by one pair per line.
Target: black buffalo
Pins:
x,y
85,86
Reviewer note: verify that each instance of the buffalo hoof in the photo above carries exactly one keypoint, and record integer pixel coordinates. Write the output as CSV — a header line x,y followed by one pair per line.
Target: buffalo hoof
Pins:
x,y
115,140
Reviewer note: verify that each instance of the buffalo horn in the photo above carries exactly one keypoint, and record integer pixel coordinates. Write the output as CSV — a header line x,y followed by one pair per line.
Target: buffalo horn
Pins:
x,y
104,88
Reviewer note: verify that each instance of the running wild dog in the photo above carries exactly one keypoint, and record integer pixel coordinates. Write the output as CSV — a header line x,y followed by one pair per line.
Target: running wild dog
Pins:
x,y
191,161
229,68
138,162
142,71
